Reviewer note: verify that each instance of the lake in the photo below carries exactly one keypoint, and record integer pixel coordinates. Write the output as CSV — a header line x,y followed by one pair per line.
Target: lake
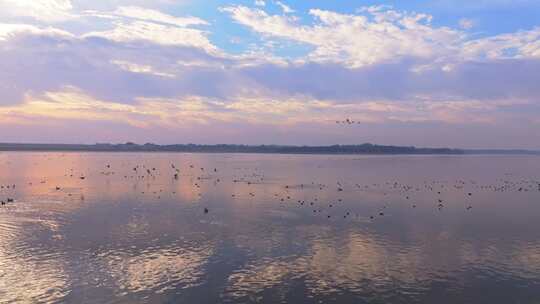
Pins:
x,y
261,228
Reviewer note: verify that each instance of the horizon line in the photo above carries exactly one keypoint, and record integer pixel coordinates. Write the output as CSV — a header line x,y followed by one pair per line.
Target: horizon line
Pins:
x,y
362,148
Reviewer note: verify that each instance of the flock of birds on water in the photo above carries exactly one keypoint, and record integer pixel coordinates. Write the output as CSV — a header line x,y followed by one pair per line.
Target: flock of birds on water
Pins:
x,y
201,174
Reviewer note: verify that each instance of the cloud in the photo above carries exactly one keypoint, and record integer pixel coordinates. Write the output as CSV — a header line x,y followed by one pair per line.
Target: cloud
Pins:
x,y
126,68
262,119
45,59
42,10
157,16
466,24
138,68
145,69
357,40
155,33
285,8
147,59
497,79
379,34
71,103
132,24
512,45
8,31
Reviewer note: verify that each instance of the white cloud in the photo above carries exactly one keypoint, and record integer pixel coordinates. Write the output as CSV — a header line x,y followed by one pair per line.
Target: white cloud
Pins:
x,y
382,35
513,45
156,33
42,10
157,16
285,8
260,3
8,31
140,68
133,24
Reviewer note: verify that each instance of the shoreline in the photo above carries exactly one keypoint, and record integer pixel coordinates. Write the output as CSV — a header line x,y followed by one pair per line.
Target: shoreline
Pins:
x,y
363,149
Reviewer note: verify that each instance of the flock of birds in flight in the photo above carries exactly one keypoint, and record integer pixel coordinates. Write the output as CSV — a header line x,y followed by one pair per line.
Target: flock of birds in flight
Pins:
x,y
347,121
288,192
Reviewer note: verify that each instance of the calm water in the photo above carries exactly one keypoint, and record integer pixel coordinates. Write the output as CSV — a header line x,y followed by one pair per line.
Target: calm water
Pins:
x,y
279,228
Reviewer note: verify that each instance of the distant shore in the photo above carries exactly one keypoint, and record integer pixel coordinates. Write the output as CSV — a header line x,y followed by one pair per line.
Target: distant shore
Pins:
x,y
368,149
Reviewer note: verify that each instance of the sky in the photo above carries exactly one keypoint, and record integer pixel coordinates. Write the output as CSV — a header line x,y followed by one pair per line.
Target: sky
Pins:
x,y
437,73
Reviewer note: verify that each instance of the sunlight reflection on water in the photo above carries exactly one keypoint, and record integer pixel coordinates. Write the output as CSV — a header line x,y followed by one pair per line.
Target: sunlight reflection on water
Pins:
x,y
279,228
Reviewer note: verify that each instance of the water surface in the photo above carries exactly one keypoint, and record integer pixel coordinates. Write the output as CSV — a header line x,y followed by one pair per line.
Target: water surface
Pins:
x,y
122,228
